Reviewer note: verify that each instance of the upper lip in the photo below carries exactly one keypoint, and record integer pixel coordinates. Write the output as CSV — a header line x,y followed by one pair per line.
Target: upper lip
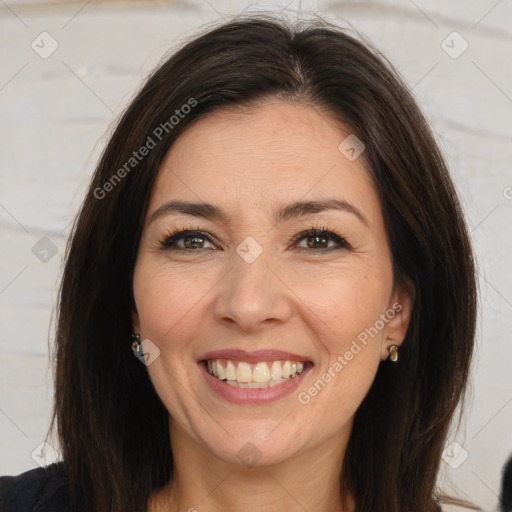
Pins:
x,y
254,357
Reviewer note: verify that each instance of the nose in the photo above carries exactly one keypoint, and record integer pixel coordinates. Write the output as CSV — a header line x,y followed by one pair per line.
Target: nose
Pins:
x,y
253,295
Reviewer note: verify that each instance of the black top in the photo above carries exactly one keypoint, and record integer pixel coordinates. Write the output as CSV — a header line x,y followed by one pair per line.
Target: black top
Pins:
x,y
36,490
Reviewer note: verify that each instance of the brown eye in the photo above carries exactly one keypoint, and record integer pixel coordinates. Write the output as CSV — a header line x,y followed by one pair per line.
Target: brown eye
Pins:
x,y
319,240
192,241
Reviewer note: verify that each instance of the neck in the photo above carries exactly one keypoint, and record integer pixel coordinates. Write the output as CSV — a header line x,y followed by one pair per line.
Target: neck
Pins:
x,y
202,482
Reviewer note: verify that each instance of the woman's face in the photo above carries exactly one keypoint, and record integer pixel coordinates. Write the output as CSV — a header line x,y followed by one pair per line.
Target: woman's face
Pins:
x,y
292,325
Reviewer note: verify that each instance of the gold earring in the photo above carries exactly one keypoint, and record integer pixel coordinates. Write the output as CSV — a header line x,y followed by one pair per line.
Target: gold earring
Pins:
x,y
136,345
393,353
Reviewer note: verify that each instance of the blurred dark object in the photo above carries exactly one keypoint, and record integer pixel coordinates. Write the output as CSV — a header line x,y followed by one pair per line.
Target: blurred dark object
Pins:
x,y
506,488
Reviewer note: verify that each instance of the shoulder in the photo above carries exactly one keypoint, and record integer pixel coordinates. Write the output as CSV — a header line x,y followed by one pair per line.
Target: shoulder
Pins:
x,y
42,489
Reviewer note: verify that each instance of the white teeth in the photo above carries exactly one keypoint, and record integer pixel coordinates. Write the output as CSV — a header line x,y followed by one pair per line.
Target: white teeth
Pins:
x,y
287,370
253,385
276,372
243,373
220,371
230,371
260,375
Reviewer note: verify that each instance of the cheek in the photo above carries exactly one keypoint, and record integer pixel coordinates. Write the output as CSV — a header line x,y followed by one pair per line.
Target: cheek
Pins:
x,y
347,301
166,300
347,310
351,307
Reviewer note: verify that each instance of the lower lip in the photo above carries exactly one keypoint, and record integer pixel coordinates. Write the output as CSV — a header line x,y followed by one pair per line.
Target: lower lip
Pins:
x,y
253,396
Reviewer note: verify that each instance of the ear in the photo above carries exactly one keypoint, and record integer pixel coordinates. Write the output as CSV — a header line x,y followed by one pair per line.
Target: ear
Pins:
x,y
398,315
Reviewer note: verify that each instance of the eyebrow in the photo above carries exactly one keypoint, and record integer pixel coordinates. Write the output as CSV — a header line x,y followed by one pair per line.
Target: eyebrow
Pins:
x,y
293,210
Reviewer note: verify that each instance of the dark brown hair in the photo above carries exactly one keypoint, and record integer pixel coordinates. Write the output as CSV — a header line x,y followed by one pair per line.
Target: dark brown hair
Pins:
x,y
112,426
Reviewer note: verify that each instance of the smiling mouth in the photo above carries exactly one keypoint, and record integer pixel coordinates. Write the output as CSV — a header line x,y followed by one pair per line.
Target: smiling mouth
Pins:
x,y
259,375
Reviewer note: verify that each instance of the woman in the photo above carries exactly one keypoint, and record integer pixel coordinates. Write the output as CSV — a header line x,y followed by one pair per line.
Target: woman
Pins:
x,y
273,232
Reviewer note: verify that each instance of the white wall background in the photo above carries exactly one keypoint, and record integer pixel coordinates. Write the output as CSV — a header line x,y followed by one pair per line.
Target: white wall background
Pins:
x,y
56,112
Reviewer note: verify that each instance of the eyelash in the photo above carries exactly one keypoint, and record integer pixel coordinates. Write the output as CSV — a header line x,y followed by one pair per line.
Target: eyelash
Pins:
x,y
169,239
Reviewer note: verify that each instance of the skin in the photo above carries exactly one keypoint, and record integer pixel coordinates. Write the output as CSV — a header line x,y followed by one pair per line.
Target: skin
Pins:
x,y
310,301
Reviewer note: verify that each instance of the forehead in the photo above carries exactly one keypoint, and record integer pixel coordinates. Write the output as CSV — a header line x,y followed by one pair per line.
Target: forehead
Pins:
x,y
267,155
